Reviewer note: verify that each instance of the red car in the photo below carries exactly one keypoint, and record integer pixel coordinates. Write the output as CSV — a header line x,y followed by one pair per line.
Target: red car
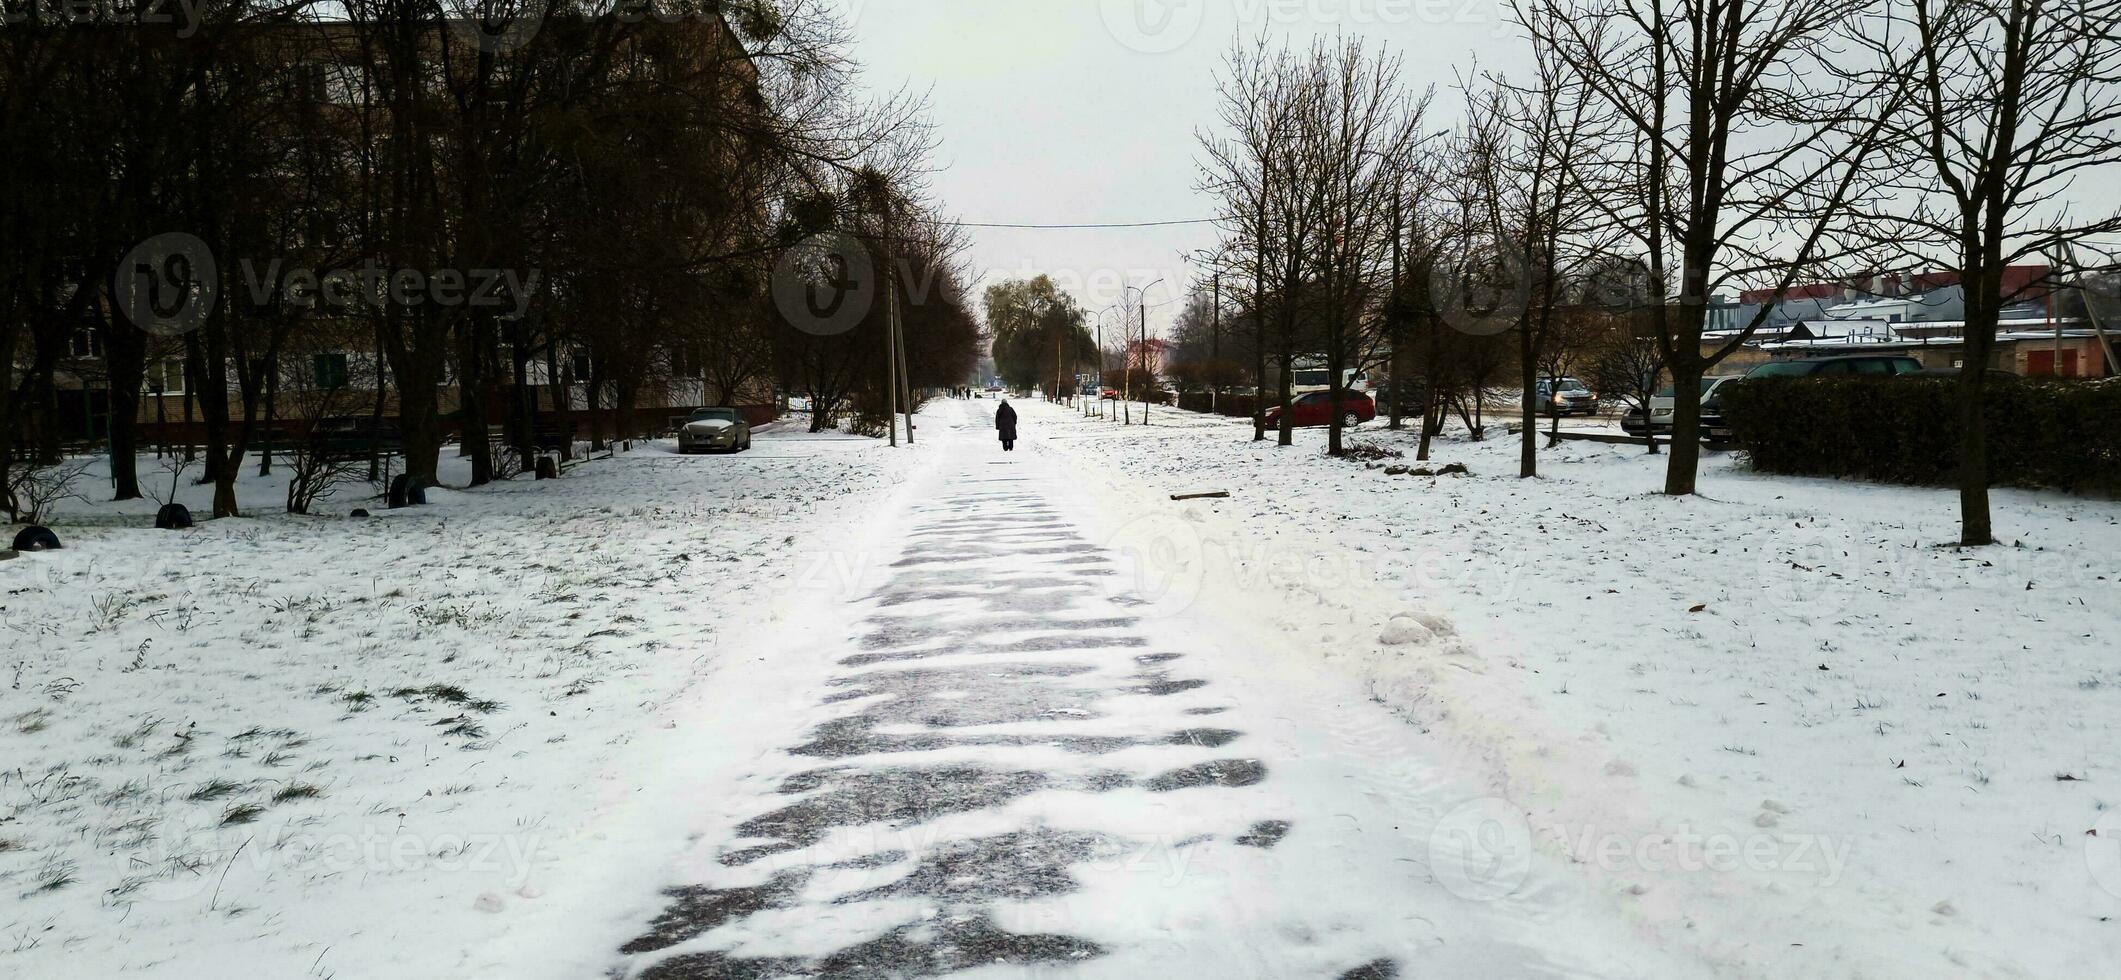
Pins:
x,y
1316,408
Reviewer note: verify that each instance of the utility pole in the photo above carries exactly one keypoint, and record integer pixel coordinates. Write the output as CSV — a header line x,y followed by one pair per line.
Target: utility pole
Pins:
x,y
1056,367
890,335
2091,309
1215,339
1126,366
905,378
1392,312
1148,377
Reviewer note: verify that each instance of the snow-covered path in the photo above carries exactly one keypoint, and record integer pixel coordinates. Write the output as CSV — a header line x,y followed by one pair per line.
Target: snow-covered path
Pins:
x,y
1011,743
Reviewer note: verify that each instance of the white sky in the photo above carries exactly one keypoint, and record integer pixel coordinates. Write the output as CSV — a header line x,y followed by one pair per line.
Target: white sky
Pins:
x,y
1085,111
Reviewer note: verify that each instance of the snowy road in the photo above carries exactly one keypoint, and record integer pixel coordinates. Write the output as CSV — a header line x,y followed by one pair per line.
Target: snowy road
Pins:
x,y
1021,747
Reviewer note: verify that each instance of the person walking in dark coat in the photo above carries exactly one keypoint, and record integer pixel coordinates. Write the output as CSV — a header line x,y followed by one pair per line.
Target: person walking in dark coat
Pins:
x,y
1005,423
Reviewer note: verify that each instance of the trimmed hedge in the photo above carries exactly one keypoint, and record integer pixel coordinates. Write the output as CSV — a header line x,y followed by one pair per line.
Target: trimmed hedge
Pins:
x,y
2047,433
1235,406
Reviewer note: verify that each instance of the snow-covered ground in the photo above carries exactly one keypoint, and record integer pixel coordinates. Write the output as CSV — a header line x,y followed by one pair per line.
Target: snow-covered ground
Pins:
x,y
691,716
1777,723
320,746
996,743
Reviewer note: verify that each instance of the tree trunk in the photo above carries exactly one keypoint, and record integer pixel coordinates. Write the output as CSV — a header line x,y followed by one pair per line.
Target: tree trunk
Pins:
x,y
1528,406
592,403
125,361
1686,424
272,414
472,387
1975,528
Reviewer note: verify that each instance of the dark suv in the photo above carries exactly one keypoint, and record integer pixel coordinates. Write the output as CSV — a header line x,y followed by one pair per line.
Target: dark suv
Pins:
x,y
1872,365
1717,432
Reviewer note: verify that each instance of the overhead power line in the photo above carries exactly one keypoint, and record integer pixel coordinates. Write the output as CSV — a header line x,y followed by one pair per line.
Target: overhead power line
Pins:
x,y
1062,227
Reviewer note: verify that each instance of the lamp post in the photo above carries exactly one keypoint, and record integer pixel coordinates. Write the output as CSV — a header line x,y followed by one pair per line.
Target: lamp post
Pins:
x,y
1126,369
1101,358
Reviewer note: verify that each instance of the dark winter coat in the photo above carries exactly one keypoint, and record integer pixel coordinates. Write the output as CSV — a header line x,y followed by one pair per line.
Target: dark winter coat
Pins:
x,y
1005,422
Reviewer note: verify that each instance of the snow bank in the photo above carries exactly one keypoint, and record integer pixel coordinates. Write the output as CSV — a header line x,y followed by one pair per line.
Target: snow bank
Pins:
x,y
1777,723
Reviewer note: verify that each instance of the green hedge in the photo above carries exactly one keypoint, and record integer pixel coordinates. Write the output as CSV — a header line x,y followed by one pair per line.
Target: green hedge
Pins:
x,y
2055,434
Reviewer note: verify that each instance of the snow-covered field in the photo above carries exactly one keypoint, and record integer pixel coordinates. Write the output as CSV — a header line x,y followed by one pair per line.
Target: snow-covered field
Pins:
x,y
1775,730
320,746
1778,724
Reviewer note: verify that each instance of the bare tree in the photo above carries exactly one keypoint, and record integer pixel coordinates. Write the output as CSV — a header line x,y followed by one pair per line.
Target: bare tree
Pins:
x,y
1545,228
1628,364
1357,139
1740,152
2014,103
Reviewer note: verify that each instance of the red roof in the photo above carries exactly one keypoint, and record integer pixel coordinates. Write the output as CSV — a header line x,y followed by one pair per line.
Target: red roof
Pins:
x,y
2016,282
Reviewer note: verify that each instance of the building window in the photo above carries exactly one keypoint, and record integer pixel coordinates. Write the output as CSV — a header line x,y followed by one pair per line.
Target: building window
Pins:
x,y
166,376
86,342
328,370
581,367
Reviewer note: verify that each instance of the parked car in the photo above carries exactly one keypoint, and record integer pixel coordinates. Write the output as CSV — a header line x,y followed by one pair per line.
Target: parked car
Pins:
x,y
714,430
1994,374
1871,365
1715,431
1412,396
1565,396
1659,416
1316,408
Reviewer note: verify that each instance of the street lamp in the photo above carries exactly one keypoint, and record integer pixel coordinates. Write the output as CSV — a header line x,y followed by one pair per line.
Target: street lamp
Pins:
x,y
1101,358
1126,371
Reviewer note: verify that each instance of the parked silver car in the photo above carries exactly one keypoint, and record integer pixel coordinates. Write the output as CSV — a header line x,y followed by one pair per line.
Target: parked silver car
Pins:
x,y
1565,396
714,430
1661,404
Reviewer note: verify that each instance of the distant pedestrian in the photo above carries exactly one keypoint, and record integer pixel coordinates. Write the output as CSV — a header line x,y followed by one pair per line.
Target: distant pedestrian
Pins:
x,y
1005,423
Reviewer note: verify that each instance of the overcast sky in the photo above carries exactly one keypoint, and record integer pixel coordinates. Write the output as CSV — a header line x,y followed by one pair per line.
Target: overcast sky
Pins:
x,y
1085,111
